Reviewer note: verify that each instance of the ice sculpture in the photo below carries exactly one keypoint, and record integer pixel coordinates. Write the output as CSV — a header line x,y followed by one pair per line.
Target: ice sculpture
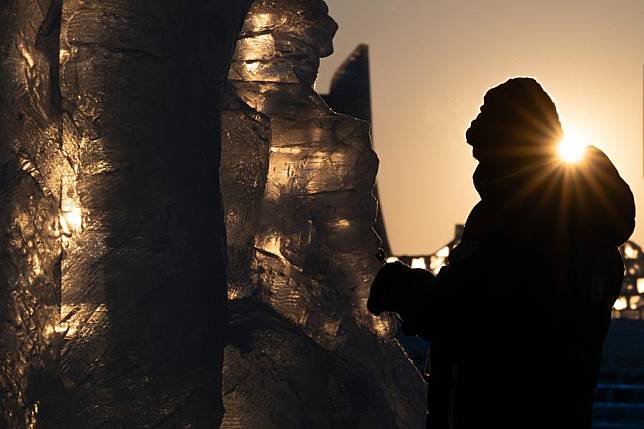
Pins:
x,y
30,215
297,182
143,278
109,140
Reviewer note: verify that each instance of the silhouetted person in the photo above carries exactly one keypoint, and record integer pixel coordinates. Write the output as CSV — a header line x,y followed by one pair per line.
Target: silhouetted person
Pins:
x,y
518,317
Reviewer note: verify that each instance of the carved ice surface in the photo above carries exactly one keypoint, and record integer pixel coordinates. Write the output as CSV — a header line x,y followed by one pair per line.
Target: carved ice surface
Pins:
x,y
297,182
109,153
112,273
143,276
30,249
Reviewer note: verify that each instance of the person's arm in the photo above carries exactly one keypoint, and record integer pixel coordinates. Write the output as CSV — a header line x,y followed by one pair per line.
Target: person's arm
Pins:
x,y
413,294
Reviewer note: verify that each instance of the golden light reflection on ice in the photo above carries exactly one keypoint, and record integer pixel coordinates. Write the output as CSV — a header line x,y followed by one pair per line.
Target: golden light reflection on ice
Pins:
x,y
252,67
330,327
26,54
292,150
67,311
262,20
343,223
234,294
49,330
71,214
271,243
71,221
36,267
381,327
58,330
32,416
63,56
79,317
260,47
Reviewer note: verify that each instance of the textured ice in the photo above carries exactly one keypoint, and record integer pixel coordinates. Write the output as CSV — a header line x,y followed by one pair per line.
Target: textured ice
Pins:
x,y
112,279
111,288
303,347
142,279
30,227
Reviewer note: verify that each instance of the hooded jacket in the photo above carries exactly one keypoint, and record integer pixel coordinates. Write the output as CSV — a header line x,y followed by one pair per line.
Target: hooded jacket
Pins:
x,y
518,317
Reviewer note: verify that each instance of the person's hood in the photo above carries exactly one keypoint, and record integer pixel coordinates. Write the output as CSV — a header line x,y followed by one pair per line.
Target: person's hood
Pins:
x,y
589,197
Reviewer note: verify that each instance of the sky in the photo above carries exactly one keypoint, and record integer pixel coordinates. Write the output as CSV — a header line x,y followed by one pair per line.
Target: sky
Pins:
x,y
431,64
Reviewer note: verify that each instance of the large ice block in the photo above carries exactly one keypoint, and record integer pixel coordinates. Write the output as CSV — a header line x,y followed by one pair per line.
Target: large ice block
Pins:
x,y
143,275
303,347
350,94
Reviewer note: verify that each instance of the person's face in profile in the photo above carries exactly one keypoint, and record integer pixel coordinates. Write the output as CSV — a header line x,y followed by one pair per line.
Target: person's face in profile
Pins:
x,y
517,127
504,137
487,135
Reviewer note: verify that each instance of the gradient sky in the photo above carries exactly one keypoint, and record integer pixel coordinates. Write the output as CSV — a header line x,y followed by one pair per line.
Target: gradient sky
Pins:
x,y
431,63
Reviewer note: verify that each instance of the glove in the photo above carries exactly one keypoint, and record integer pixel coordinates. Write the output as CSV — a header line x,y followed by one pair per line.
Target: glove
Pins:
x,y
383,295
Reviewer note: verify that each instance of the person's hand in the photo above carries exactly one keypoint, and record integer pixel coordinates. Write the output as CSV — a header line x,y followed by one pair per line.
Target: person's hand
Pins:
x,y
383,295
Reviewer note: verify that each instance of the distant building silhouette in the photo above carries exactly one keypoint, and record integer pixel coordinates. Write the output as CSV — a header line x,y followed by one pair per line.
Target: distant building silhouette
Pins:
x,y
350,94
629,305
435,261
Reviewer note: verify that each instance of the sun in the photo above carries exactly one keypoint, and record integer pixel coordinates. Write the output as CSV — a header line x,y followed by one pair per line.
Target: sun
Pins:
x,y
572,147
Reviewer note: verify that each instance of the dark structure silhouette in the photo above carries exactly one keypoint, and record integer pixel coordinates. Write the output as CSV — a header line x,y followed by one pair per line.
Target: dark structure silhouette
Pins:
x,y
350,94
536,364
